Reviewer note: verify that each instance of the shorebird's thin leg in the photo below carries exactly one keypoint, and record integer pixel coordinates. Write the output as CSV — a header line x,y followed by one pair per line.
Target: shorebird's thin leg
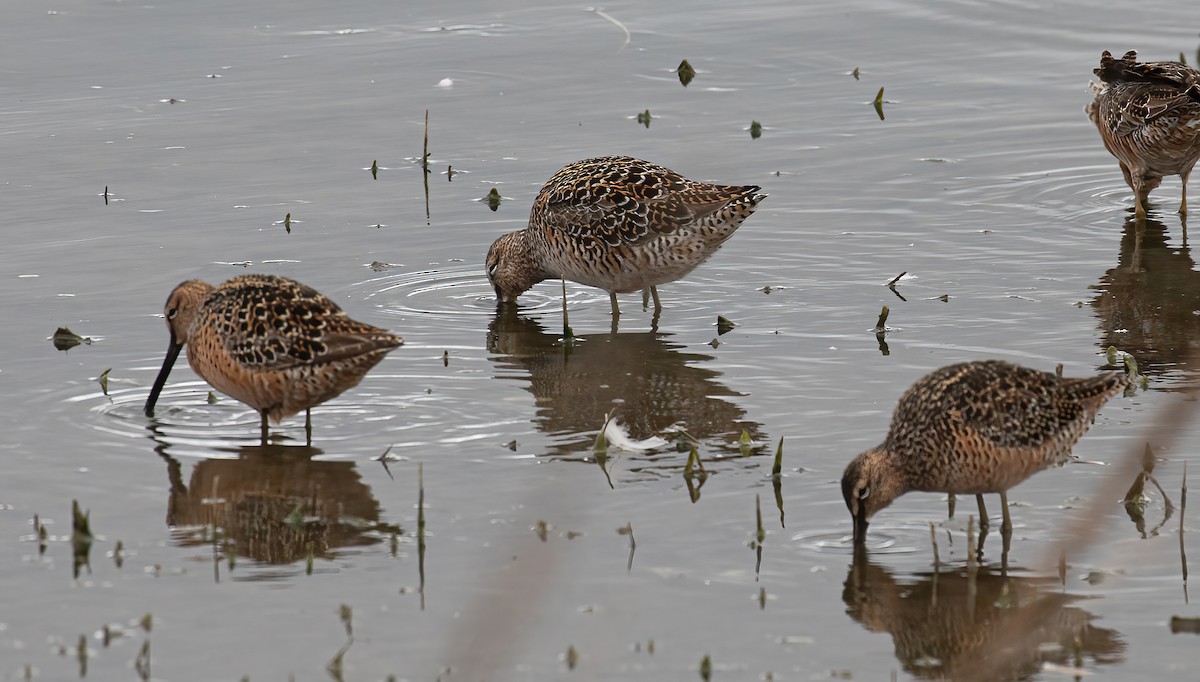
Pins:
x,y
616,310
654,295
951,500
983,516
1006,524
308,427
1183,202
263,428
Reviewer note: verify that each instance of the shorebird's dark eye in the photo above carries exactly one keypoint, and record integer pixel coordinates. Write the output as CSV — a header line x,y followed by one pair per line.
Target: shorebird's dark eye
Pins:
x,y
492,269
863,492
172,313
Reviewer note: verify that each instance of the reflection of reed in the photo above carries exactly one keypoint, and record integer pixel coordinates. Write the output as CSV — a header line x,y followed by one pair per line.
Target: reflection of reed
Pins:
x,y
940,622
1149,304
276,505
650,383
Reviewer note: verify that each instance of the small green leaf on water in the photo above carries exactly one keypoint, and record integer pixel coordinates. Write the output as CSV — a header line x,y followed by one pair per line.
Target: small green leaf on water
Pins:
x,y
1131,367
706,668
103,379
755,130
212,398
944,298
287,222
375,169
724,325
1111,355
714,343
541,529
855,73
347,616
745,443
572,657
686,72
65,339
644,118
493,199
777,467
881,324
601,444
147,622
879,98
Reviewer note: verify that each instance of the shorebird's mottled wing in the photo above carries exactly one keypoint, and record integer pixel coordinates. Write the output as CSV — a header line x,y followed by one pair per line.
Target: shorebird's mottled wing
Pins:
x,y
271,324
622,200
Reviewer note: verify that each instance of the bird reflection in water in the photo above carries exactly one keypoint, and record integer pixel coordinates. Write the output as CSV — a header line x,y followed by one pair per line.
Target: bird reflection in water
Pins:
x,y
1149,304
643,378
977,625
272,504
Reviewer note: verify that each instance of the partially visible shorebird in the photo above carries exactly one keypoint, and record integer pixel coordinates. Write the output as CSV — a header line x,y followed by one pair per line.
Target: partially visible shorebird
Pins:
x,y
269,342
974,428
1148,115
620,224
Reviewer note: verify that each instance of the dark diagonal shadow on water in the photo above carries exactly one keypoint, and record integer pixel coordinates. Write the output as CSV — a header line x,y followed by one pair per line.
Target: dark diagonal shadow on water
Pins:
x,y
644,379
942,621
274,505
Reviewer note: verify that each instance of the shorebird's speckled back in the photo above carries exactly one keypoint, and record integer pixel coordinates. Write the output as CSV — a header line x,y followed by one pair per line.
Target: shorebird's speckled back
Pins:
x,y
270,342
620,224
1148,115
974,428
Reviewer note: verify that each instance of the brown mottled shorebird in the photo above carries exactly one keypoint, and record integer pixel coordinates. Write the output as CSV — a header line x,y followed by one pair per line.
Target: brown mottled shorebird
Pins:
x,y
974,428
1148,115
620,224
270,342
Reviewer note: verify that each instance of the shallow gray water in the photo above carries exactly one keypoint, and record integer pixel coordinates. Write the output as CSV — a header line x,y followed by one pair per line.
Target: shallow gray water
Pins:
x,y
209,122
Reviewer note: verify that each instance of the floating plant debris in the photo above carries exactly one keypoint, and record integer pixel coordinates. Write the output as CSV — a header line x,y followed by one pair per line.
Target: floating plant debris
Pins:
x,y
493,199
213,398
644,118
706,668
855,73
878,103
375,169
724,325
881,324
103,379
755,130
572,657
65,339
686,72
287,222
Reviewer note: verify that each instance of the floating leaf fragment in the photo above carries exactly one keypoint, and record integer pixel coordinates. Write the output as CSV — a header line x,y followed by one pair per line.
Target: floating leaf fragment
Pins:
x,y
572,657
755,130
493,199
686,72
212,398
855,73
706,668
878,104
287,222
103,379
644,118
724,325
881,324
65,339
375,169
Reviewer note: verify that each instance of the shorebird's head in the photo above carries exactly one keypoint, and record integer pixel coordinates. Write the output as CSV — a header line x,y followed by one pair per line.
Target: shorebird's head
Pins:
x,y
511,269
869,484
182,306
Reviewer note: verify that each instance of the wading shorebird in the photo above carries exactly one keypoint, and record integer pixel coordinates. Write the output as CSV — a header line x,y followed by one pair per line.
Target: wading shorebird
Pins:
x,y
974,428
269,342
1148,115
620,224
